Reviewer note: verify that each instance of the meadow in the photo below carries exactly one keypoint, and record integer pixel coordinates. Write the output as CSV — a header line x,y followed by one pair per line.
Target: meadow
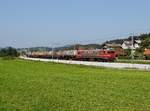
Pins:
x,y
134,61
39,86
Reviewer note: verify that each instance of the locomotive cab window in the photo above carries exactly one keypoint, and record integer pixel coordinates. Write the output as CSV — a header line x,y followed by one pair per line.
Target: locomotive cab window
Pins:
x,y
111,52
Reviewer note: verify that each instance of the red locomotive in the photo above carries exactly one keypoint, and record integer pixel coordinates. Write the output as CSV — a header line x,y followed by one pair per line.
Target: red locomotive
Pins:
x,y
84,55
96,55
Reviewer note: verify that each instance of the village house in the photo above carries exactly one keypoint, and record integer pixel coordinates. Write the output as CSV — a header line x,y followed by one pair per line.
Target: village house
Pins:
x,y
147,53
128,44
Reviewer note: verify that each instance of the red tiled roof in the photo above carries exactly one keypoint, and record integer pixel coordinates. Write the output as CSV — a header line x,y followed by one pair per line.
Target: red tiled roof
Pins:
x,y
147,52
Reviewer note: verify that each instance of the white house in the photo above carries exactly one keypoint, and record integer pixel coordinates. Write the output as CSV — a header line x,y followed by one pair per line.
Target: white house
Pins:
x,y
128,44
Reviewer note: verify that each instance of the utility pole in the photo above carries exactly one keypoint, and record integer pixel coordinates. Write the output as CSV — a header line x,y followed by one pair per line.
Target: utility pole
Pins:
x,y
53,47
52,52
74,46
132,47
28,51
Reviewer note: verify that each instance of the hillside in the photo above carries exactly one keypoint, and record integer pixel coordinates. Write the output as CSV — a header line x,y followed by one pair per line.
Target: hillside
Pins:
x,y
144,37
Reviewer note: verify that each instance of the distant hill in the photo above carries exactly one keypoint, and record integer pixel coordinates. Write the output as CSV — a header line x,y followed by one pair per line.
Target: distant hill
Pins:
x,y
34,49
120,41
80,46
67,47
90,46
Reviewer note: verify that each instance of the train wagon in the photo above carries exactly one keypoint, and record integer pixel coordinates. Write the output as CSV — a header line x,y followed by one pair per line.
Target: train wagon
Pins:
x,y
83,55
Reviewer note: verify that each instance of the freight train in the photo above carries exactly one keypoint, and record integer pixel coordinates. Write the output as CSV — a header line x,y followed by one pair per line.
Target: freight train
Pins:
x,y
82,55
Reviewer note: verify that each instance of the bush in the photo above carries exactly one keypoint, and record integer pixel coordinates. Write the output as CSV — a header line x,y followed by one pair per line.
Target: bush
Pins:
x,y
9,52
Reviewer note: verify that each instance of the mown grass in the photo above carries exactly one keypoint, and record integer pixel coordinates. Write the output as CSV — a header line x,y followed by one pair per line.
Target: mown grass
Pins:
x,y
38,86
134,61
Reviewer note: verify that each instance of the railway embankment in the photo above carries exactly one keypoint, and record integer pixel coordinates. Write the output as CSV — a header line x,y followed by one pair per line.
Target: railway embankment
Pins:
x,y
98,64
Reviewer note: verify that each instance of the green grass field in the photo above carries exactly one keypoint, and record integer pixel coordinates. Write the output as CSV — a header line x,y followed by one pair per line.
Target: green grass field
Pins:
x,y
134,61
39,86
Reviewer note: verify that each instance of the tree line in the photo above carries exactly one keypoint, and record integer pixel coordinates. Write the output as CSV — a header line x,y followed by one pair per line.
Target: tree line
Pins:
x,y
8,51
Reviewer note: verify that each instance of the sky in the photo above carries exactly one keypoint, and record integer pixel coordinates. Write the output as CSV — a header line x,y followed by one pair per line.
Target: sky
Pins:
x,y
31,23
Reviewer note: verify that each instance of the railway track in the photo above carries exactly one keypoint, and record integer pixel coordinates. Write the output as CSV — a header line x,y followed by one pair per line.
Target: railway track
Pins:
x,y
99,64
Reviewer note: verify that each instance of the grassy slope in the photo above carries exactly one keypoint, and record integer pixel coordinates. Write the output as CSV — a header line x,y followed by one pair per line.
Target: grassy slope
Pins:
x,y
37,86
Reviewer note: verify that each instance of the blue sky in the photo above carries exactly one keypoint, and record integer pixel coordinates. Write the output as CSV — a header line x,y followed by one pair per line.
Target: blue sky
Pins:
x,y
25,23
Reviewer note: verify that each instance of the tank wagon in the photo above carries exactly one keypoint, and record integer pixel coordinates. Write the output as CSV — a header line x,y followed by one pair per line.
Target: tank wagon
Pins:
x,y
83,55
